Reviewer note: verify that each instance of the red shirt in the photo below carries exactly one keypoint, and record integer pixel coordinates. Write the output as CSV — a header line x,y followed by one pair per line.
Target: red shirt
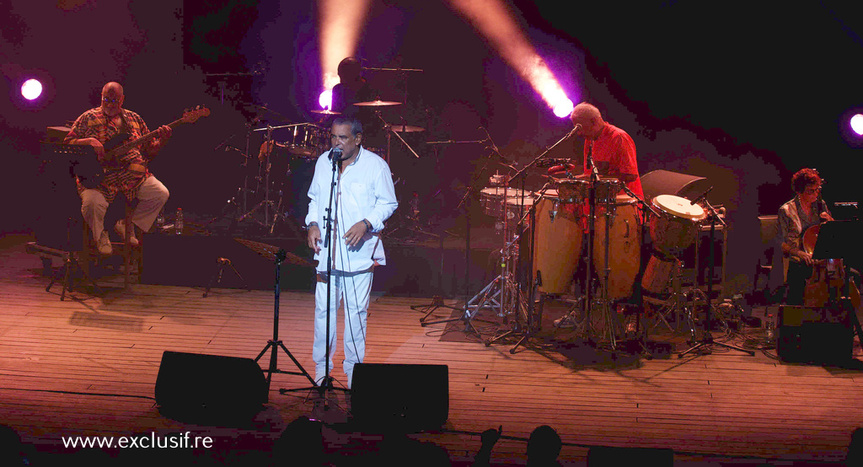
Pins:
x,y
614,153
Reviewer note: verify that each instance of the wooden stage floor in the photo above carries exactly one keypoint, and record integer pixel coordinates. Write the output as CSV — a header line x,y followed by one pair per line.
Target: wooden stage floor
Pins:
x,y
88,367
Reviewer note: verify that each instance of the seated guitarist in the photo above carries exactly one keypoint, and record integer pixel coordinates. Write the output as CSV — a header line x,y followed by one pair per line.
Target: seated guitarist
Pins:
x,y
124,173
795,217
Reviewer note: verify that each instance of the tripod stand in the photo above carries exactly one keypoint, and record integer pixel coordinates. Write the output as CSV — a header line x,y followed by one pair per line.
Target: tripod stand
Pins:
x,y
707,341
278,255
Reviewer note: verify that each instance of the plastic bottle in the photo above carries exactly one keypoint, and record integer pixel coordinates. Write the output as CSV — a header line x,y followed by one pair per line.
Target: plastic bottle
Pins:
x,y
770,329
178,224
160,221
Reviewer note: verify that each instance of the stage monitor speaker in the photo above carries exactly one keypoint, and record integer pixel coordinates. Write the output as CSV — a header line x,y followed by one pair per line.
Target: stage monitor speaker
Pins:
x,y
814,335
666,182
200,387
601,456
402,398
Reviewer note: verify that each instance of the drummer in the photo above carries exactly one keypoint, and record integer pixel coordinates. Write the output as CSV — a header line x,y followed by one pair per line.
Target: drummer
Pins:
x,y
612,149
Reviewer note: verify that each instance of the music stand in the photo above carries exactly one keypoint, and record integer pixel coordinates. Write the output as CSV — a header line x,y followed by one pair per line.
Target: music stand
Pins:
x,y
833,242
278,255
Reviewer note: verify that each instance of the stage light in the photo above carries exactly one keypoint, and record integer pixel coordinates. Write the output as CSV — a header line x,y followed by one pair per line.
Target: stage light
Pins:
x,y
31,89
326,99
340,24
857,124
563,107
492,19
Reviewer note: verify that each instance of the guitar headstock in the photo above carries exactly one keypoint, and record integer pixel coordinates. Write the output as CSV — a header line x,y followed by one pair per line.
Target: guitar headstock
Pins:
x,y
191,116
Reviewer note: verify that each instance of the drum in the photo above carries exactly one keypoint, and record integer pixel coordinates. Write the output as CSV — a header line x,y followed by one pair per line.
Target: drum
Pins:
x,y
624,246
676,226
577,189
516,208
492,199
557,244
658,273
307,140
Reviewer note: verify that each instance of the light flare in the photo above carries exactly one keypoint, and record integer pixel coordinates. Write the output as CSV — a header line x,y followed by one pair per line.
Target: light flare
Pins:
x,y
497,24
31,89
857,124
340,25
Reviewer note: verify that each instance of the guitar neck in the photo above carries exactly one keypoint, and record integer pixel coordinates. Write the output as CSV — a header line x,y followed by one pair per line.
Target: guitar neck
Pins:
x,y
125,147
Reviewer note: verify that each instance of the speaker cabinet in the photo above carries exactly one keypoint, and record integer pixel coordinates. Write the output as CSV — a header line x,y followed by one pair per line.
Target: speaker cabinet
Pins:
x,y
399,397
602,456
814,335
209,387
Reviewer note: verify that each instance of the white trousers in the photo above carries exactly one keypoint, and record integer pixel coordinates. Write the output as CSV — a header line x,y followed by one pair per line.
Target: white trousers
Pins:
x,y
152,196
352,290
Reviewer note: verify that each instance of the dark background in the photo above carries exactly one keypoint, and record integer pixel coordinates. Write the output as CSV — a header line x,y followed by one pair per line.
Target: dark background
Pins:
x,y
741,93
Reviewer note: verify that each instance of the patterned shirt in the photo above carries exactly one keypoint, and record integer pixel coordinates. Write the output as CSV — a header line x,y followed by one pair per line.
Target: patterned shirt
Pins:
x,y
117,178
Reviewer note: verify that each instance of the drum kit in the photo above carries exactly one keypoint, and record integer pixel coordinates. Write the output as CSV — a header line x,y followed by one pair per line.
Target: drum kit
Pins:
x,y
286,149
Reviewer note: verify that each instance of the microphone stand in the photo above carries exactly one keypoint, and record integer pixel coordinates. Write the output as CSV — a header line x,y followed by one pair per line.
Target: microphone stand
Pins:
x,y
707,341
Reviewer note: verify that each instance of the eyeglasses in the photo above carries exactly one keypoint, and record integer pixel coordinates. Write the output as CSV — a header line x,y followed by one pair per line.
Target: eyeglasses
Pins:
x,y
812,191
108,100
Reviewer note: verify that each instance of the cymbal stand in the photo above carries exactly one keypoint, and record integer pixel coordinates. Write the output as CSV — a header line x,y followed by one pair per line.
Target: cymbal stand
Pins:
x,y
464,204
266,151
707,341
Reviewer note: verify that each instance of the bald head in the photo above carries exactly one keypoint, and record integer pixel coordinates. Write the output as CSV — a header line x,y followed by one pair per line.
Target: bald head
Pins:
x,y
112,98
588,118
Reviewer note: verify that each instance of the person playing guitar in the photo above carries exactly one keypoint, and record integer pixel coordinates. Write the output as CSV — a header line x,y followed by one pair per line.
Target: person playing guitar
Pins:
x,y
806,210
124,172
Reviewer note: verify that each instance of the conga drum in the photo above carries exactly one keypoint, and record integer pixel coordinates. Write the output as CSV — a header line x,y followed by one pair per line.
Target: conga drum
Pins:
x,y
557,244
624,245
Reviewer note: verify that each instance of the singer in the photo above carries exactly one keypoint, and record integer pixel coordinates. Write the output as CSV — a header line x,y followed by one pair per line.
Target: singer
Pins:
x,y
803,211
363,198
612,149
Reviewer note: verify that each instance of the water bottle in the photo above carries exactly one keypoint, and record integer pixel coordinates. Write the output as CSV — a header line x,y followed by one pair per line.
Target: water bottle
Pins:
x,y
160,221
770,329
178,224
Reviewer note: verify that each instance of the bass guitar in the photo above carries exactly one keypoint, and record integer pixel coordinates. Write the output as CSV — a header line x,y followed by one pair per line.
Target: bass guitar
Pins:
x,y
91,174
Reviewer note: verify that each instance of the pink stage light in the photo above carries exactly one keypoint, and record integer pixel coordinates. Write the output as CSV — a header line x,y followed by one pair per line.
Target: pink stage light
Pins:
x,y
495,22
857,124
340,24
326,99
31,89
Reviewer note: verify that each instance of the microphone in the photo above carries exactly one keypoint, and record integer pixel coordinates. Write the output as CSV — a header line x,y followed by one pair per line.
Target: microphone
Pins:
x,y
336,154
700,197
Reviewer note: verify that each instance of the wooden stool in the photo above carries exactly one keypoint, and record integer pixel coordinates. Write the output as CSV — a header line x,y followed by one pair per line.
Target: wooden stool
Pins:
x,y
132,255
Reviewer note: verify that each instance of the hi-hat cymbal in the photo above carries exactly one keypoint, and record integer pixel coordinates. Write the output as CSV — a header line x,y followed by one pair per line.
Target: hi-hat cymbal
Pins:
x,y
377,103
325,112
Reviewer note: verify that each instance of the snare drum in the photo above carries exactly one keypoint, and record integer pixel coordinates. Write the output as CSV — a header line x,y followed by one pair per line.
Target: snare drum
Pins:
x,y
556,244
577,189
493,199
624,246
676,226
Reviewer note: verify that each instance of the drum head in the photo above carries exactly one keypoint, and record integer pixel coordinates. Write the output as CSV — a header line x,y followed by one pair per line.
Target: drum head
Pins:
x,y
679,207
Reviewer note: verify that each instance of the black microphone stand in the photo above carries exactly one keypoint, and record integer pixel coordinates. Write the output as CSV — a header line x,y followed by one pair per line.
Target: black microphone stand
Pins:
x,y
707,341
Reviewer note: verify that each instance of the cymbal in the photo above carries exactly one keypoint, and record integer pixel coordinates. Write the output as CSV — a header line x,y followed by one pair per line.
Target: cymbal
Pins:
x,y
377,103
326,112
407,128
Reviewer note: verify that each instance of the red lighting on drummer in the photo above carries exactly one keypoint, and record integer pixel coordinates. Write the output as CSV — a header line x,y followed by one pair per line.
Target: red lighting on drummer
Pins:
x,y
492,19
340,24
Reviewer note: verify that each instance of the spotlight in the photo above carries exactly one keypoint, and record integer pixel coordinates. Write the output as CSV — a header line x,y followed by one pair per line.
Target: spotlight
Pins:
x,y
340,23
326,99
31,89
563,107
857,124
